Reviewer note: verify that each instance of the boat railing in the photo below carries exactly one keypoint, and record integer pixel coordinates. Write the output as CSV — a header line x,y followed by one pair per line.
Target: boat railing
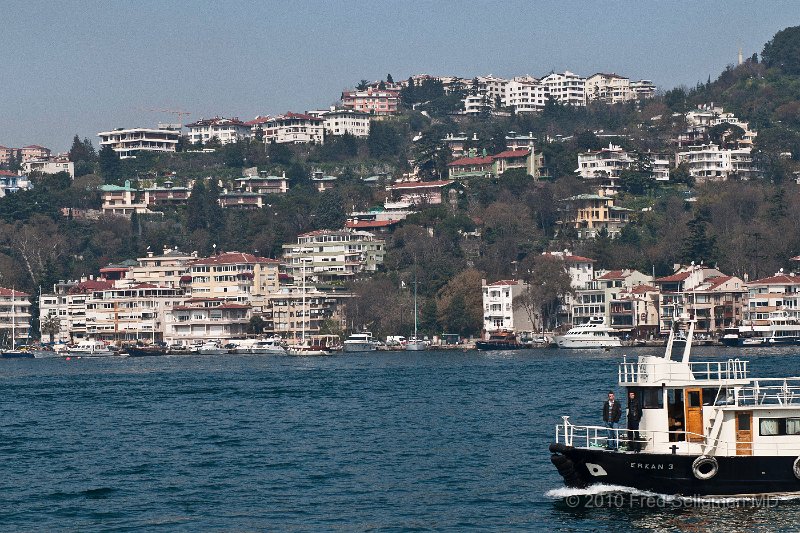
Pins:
x,y
598,437
770,391
638,372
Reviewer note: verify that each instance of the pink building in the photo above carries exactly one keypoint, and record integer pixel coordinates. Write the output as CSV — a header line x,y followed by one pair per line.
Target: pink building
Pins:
x,y
372,101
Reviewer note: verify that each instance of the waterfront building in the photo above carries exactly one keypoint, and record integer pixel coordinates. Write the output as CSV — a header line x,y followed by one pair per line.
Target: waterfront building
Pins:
x,y
225,130
588,214
294,128
288,315
11,182
333,255
779,292
128,142
15,317
68,302
200,319
635,310
502,310
595,298
372,100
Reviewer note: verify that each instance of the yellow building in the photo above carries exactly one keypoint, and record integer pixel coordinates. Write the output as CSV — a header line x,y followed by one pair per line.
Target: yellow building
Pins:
x,y
589,213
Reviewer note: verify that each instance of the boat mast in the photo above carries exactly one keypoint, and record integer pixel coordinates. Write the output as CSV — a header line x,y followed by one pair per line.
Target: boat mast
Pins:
x,y
415,306
303,306
13,318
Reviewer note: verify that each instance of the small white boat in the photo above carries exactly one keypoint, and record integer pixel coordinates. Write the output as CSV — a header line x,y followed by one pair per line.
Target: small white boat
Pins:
x,y
91,348
593,334
267,346
360,342
211,348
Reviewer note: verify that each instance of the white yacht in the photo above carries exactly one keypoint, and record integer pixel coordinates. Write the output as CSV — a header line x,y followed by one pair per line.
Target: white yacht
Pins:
x,y
360,342
707,428
91,348
267,346
593,334
779,329
211,348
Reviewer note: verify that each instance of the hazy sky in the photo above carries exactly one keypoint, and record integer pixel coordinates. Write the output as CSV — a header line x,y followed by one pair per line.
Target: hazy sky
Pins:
x,y
85,67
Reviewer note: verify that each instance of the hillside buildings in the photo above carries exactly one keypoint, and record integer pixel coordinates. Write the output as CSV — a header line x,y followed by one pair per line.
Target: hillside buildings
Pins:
x,y
475,166
372,100
11,182
326,256
588,214
294,128
129,142
224,130
712,163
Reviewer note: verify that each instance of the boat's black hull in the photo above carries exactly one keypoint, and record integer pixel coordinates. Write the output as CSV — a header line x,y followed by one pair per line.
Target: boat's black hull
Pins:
x,y
16,355
145,352
488,345
673,474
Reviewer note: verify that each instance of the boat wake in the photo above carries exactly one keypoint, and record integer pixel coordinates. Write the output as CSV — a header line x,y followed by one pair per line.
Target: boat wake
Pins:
x,y
599,490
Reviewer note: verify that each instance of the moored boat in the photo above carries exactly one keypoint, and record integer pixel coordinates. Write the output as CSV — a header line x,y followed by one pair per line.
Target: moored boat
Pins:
x,y
16,354
500,340
592,334
707,429
360,342
91,348
146,350
212,348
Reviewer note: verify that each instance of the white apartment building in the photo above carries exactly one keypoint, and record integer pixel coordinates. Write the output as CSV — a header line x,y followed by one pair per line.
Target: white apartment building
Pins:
x,y
52,165
201,319
477,104
581,273
609,88
500,312
780,292
643,89
567,88
15,316
128,142
595,296
294,128
525,95
605,165
707,116
225,130
68,302
333,255
164,270
11,182
712,163
341,121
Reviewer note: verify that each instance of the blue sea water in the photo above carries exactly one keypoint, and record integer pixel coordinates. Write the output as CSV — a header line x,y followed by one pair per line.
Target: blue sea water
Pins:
x,y
390,441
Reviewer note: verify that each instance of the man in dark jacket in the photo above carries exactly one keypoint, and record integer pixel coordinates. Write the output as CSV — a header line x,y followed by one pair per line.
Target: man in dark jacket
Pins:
x,y
634,416
612,412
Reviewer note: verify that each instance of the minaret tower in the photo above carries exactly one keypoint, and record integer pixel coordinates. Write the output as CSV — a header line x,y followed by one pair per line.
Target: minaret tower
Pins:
x,y
740,55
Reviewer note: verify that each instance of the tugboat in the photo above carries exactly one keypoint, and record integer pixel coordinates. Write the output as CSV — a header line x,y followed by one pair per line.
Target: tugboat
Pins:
x,y
707,429
500,340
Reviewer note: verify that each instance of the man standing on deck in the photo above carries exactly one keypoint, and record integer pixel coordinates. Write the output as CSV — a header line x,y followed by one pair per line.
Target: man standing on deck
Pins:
x,y
612,412
634,416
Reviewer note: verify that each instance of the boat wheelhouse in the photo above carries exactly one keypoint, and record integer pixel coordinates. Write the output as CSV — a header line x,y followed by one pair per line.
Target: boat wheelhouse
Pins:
x,y
360,342
707,428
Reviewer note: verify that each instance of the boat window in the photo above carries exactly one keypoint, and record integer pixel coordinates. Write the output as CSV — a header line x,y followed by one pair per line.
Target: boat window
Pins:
x,y
650,397
715,394
693,398
770,426
744,421
793,426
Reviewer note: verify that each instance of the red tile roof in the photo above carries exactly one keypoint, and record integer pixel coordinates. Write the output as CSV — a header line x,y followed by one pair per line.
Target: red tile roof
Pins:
x,y
258,120
12,292
420,184
508,154
614,274
680,276
366,224
36,146
91,285
7,173
228,258
773,280
716,282
467,161
641,289
503,282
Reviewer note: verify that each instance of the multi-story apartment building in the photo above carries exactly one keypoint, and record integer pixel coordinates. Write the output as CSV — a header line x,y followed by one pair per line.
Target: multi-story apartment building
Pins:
x,y
263,183
589,213
122,200
200,319
289,315
567,88
609,88
636,311
711,163
372,100
525,95
581,273
11,182
164,270
643,89
128,142
34,151
166,195
714,299
494,165
777,293
294,128
596,296
233,276
333,255
340,121
225,130
604,166
68,302
500,310
15,317
477,104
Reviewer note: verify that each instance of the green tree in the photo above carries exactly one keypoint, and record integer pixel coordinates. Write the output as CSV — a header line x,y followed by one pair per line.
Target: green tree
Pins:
x,y
783,51
546,283
50,326
109,163
256,325
384,140
389,78
280,154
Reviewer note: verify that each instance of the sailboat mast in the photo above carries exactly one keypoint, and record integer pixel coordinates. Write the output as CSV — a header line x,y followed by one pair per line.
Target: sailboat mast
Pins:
x,y
415,307
303,306
13,318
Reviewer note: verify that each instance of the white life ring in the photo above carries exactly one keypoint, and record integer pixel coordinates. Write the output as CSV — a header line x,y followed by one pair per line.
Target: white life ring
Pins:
x,y
707,461
796,468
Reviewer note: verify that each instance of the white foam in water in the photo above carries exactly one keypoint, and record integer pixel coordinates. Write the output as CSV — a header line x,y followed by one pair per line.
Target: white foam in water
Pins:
x,y
601,488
